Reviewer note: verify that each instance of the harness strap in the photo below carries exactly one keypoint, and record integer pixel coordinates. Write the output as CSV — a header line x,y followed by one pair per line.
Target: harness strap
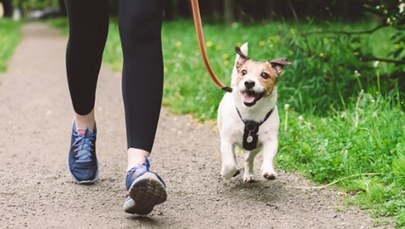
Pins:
x,y
250,136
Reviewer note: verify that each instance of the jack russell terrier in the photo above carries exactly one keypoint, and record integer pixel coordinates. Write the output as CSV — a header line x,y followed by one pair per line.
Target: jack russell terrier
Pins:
x,y
248,116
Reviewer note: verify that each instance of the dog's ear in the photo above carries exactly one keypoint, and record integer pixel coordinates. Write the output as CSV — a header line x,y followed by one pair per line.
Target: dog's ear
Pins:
x,y
242,58
278,64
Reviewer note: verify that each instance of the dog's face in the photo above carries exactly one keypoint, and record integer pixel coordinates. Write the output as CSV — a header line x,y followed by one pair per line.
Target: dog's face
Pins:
x,y
256,79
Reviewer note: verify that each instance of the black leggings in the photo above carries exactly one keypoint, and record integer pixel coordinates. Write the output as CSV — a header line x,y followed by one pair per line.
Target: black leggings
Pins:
x,y
140,23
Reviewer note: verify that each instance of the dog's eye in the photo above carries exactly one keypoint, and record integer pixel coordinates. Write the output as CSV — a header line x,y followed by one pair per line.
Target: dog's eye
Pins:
x,y
243,72
264,75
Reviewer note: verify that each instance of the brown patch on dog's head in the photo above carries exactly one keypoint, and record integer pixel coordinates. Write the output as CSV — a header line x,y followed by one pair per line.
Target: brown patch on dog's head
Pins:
x,y
271,72
241,59
278,64
268,77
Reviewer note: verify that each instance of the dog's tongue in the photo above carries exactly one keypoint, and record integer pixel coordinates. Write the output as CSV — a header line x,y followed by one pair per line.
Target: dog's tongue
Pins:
x,y
248,98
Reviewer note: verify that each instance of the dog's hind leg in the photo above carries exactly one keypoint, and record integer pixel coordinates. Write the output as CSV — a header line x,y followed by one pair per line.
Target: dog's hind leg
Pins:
x,y
229,167
269,152
249,161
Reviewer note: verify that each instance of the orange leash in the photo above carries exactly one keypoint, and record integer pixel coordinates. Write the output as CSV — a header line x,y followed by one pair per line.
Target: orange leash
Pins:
x,y
200,37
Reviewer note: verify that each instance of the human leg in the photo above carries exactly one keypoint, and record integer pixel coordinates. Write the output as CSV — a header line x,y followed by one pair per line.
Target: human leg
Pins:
x,y
88,28
142,83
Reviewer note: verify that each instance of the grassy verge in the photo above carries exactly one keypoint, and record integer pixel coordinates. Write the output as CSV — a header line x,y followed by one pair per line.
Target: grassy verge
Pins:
x,y
10,35
59,23
341,128
360,149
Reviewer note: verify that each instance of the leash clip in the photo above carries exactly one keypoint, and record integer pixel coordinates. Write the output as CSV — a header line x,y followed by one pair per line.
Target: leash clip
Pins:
x,y
227,89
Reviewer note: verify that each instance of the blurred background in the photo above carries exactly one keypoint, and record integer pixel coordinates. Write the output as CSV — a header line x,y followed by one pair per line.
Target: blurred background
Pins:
x,y
226,10
341,102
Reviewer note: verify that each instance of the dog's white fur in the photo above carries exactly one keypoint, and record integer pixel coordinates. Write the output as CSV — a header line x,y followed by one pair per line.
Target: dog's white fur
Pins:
x,y
231,127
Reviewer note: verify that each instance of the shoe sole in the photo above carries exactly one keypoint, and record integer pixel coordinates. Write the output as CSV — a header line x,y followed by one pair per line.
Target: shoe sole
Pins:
x,y
86,181
146,192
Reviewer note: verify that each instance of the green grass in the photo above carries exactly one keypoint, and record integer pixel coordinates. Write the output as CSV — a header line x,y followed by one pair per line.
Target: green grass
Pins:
x,y
346,125
59,23
10,35
321,77
362,147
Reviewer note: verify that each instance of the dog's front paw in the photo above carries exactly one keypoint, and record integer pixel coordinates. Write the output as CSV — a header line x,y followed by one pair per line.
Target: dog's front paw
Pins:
x,y
247,177
228,172
270,175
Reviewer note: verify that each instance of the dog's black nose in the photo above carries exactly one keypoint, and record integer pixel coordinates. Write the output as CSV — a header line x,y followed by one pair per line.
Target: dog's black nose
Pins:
x,y
249,84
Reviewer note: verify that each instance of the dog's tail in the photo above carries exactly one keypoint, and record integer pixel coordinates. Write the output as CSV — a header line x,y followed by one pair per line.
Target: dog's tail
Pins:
x,y
244,48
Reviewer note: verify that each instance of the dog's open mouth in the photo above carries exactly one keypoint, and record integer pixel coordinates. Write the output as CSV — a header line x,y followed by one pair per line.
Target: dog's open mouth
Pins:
x,y
250,97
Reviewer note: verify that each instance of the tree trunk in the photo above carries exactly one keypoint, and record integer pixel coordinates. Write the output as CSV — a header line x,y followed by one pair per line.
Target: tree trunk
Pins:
x,y
8,8
269,10
228,11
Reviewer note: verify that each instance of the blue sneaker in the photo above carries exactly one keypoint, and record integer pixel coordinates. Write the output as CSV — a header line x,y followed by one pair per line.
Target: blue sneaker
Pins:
x,y
145,189
82,156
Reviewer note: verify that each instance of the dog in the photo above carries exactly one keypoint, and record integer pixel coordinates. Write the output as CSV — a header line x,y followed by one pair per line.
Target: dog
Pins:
x,y
248,116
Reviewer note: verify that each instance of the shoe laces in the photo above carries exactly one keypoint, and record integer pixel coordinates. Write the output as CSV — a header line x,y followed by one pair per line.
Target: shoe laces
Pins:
x,y
83,145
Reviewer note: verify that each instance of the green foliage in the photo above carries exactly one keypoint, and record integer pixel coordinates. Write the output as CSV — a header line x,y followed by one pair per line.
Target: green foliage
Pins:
x,y
392,15
35,4
392,12
398,164
10,35
113,51
363,147
323,76
60,23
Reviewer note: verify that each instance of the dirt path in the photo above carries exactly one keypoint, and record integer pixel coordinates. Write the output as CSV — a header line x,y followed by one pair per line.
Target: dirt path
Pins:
x,y
36,190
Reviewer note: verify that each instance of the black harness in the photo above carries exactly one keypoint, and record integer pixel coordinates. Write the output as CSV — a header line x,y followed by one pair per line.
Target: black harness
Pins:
x,y
250,136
